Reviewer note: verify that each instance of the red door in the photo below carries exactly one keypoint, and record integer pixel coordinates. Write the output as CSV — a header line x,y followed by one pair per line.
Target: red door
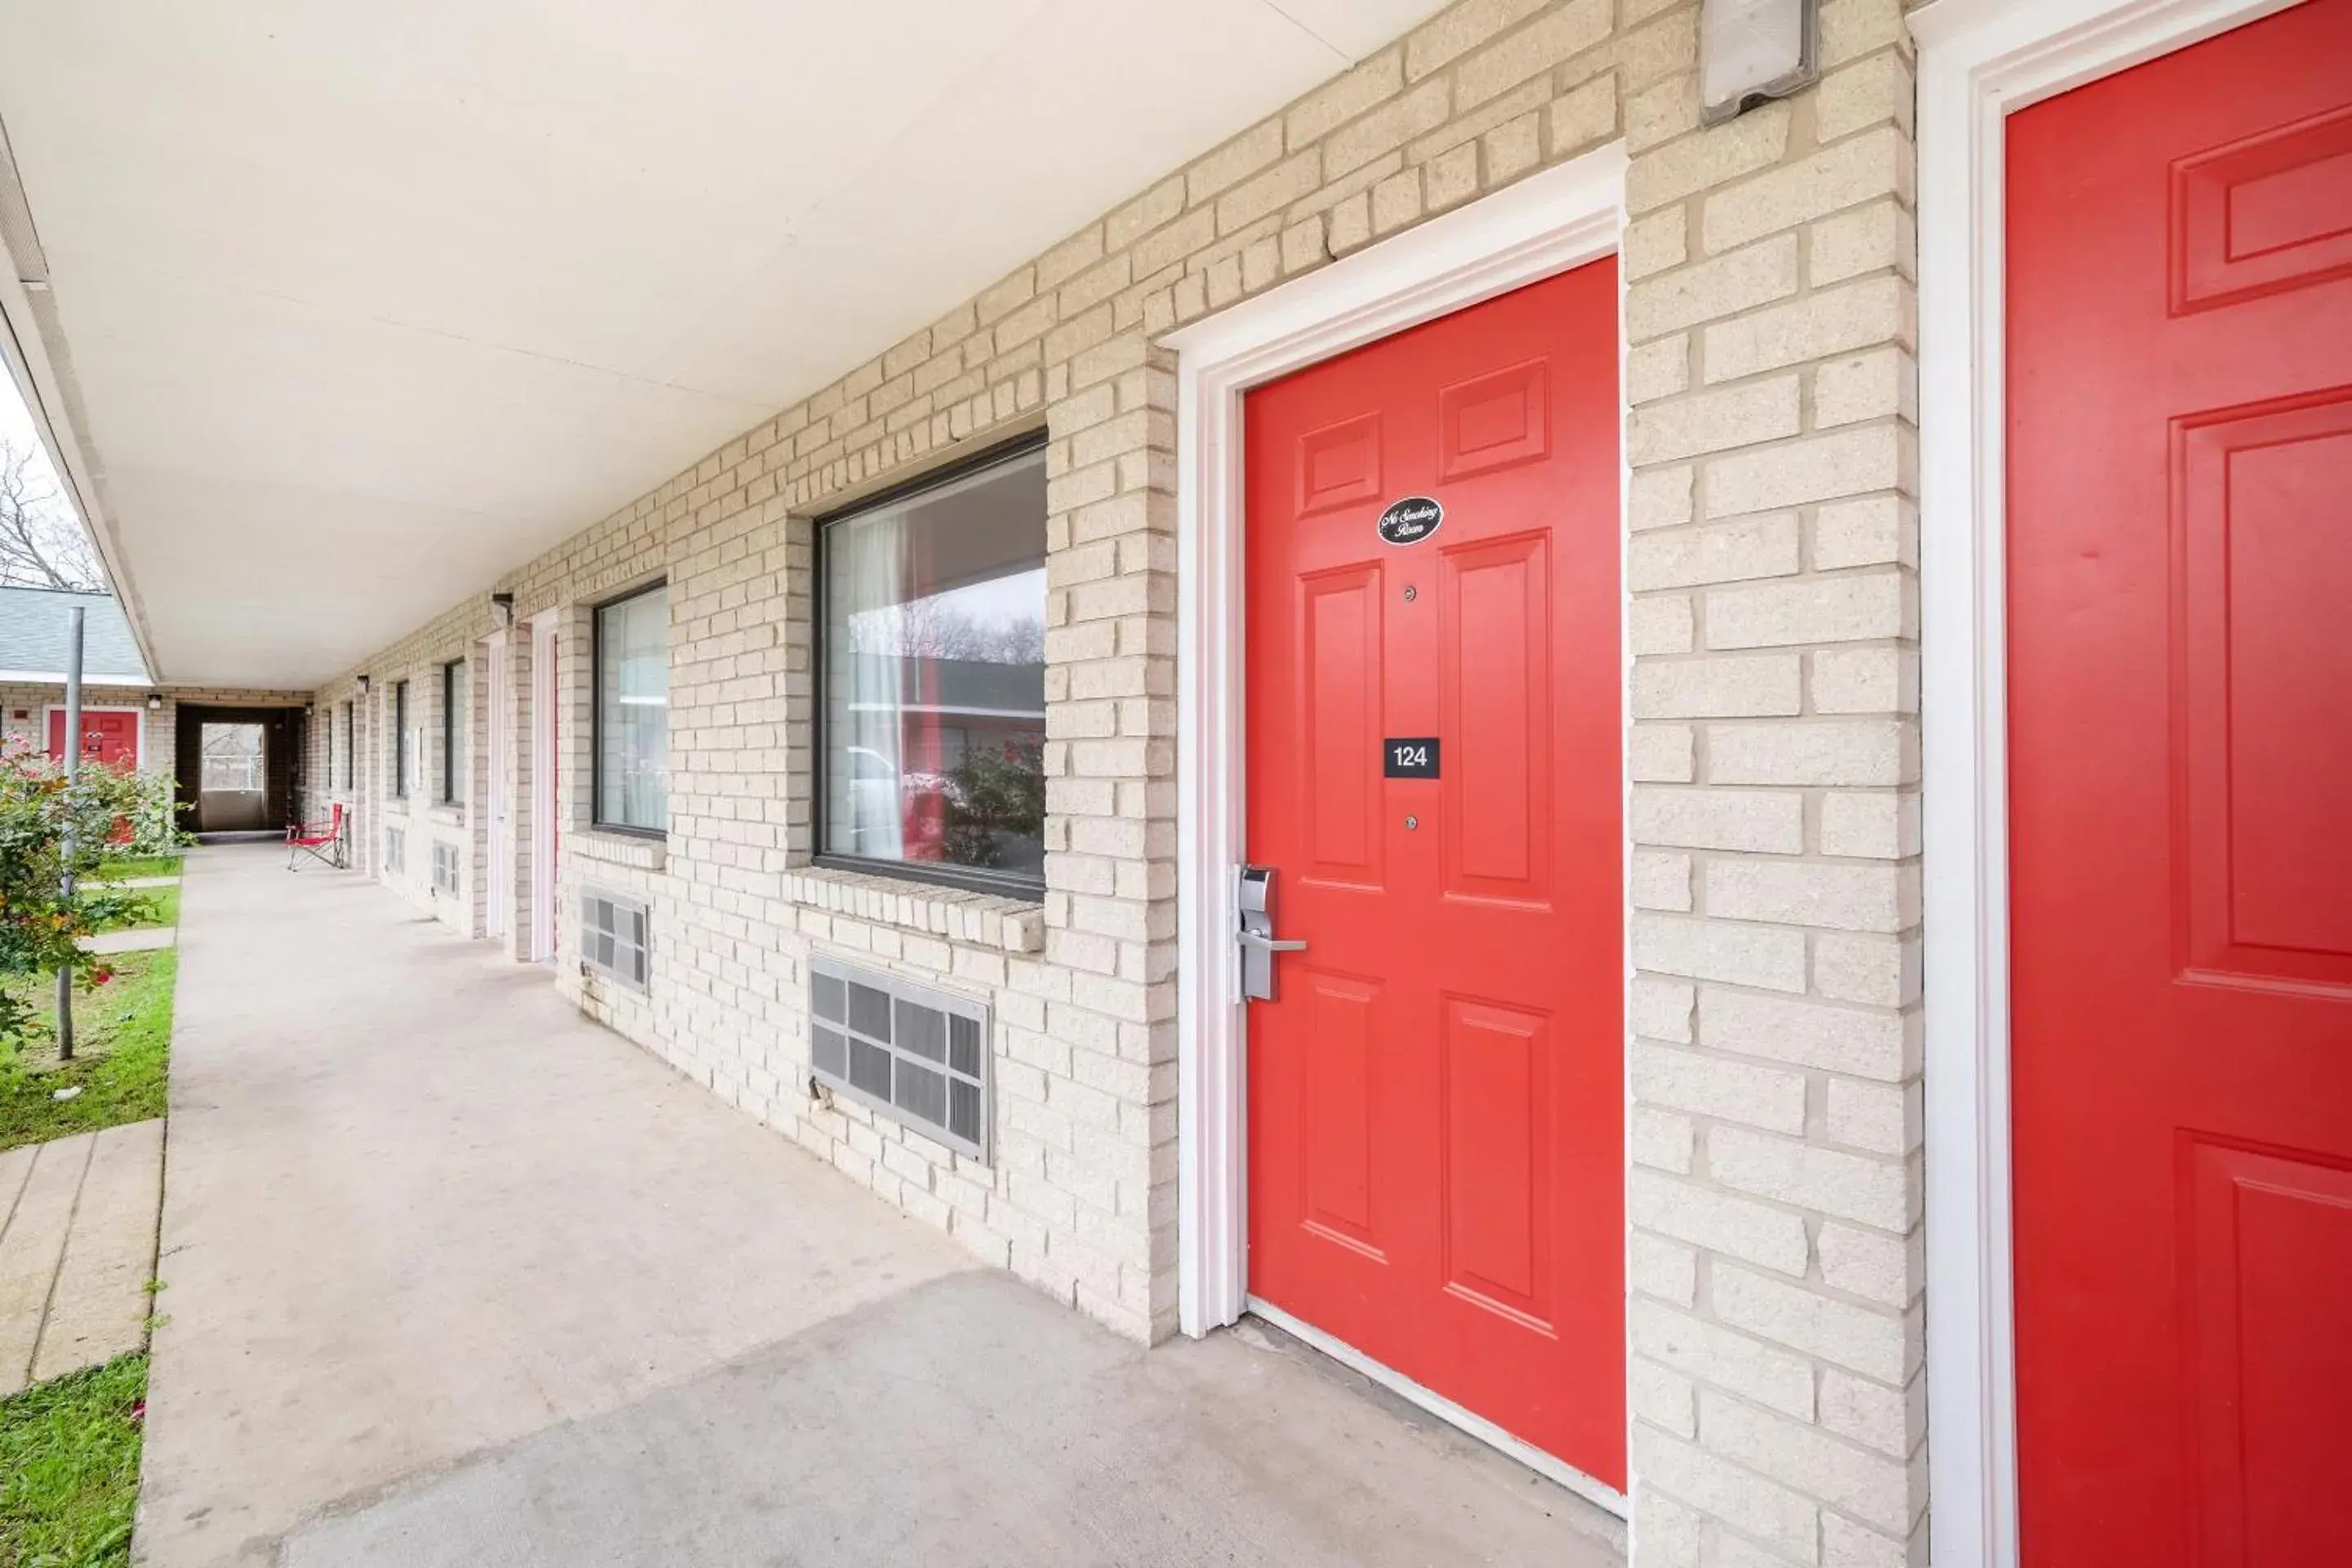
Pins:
x,y
106,737
1436,1098
2181,724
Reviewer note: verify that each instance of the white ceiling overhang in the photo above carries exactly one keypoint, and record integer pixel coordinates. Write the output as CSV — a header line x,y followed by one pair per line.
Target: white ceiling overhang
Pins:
x,y
335,312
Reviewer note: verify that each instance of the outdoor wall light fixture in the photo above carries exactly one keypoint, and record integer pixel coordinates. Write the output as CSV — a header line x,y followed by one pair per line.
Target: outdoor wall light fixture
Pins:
x,y
504,604
1751,51
154,702
363,686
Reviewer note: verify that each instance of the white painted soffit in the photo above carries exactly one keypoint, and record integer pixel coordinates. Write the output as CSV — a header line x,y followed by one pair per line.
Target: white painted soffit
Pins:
x,y
343,310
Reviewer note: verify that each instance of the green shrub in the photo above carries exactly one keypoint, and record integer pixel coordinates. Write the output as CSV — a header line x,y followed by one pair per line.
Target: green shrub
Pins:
x,y
40,928
148,823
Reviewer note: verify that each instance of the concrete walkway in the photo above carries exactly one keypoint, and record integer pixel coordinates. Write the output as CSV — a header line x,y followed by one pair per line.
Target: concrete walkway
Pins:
x,y
145,938
457,1278
77,1250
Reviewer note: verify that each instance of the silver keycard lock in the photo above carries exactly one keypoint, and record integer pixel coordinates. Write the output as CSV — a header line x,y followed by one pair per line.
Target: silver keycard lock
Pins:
x,y
1258,942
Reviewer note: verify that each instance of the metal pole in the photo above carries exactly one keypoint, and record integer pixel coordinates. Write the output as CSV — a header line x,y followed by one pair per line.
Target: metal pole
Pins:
x,y
73,771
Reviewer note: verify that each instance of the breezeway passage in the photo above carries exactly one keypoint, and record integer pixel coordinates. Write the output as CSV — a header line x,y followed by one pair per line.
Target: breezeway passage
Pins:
x,y
454,1277
866,723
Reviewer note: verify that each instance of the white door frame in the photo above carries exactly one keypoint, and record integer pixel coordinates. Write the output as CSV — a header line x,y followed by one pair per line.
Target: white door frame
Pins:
x,y
140,758
546,689
498,908
1546,224
1979,61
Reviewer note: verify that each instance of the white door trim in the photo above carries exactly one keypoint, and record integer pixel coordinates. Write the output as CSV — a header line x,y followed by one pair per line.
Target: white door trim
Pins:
x,y
497,905
1979,61
546,689
1545,224
139,758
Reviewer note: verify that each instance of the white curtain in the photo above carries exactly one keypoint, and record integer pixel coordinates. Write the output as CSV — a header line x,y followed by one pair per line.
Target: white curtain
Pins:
x,y
632,696
867,562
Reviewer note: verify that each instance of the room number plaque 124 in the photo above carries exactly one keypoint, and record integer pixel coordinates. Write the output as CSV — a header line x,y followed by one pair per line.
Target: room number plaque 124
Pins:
x,y
1409,757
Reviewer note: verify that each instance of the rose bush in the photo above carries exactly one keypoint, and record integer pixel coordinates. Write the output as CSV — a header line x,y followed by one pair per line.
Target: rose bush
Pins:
x,y
148,821
40,928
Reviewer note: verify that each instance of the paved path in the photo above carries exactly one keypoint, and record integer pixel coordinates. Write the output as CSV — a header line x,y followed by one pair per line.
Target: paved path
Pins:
x,y
140,882
456,1278
77,1250
143,940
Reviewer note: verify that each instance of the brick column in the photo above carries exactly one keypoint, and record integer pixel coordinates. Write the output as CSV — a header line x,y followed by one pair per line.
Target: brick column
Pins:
x,y
1111,791
515,893
1775,1195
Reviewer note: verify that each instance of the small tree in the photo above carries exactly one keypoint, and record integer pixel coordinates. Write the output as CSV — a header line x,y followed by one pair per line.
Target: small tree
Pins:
x,y
42,544
40,928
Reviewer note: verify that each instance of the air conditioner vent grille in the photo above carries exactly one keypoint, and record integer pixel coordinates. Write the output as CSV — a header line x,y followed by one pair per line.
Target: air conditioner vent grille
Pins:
x,y
917,1054
615,937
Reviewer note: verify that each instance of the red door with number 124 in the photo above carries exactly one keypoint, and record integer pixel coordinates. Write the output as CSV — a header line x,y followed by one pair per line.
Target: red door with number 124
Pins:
x,y
1436,1095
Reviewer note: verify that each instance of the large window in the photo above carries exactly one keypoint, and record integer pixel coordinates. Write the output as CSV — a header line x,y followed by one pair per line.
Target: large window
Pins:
x,y
933,656
399,739
633,712
456,722
351,748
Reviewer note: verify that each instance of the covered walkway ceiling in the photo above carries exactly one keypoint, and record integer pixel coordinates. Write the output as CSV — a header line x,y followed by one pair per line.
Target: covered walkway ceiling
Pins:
x,y
338,311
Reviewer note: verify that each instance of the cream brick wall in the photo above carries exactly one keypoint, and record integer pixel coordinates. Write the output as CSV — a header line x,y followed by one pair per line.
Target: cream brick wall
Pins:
x,y
1776,1309
1774,1199
363,783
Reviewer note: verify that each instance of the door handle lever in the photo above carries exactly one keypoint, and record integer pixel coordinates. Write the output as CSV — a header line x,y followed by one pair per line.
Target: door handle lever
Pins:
x,y
1251,939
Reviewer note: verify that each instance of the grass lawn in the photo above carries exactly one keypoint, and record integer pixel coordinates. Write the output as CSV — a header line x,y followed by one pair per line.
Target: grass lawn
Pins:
x,y
162,908
69,1467
161,911
139,865
123,1036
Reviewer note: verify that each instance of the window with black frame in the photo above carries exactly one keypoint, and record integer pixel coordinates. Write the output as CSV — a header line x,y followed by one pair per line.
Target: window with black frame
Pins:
x,y
932,646
399,739
633,712
454,725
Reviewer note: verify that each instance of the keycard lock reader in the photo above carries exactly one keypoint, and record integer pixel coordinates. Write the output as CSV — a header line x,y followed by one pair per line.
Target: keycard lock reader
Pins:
x,y
1258,942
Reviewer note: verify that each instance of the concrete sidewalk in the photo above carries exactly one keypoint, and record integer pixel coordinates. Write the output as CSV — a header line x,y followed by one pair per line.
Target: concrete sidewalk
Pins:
x,y
144,938
456,1278
77,1250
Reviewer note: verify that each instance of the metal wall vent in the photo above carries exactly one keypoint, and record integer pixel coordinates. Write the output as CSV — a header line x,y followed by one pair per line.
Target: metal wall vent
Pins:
x,y
615,937
445,868
395,849
917,1055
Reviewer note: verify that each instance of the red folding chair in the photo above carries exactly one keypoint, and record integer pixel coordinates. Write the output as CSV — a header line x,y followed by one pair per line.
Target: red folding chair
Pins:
x,y
322,841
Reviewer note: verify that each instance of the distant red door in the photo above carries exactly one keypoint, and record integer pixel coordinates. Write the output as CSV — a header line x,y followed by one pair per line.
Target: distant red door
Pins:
x,y
1436,1098
106,737
2180,713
